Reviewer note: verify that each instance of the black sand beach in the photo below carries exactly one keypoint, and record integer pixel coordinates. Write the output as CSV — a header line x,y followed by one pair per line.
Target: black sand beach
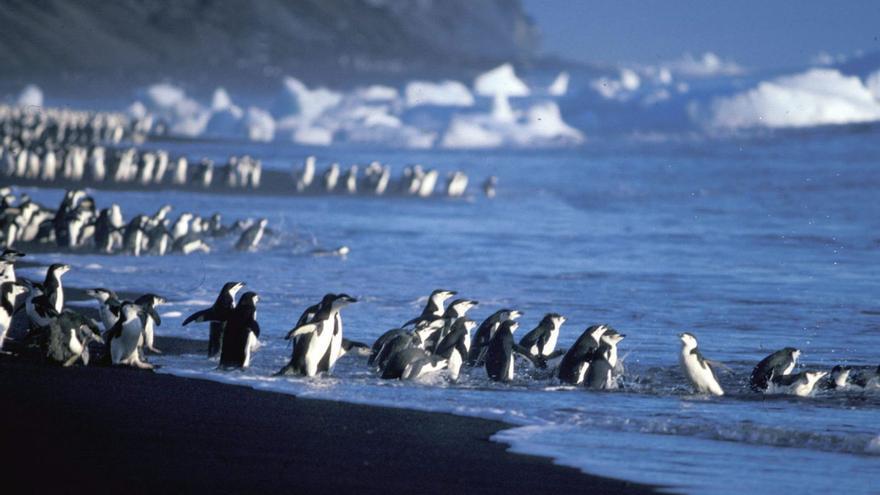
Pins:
x,y
100,430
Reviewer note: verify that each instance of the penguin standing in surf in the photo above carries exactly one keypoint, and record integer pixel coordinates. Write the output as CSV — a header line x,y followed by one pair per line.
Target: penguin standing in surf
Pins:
x,y
456,345
499,358
125,337
242,332
217,315
576,361
696,368
485,333
778,364
433,308
309,353
541,341
600,374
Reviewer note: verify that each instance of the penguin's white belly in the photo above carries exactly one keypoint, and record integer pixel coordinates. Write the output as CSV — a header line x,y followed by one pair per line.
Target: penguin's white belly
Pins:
x,y
252,345
148,333
74,345
582,372
701,378
454,365
317,348
509,374
550,346
5,319
123,349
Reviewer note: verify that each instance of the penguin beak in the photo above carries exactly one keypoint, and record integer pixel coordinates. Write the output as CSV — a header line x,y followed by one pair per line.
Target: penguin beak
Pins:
x,y
350,299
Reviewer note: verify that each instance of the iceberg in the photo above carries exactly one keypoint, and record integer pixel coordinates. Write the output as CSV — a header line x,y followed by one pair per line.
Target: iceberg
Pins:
x,y
501,80
442,94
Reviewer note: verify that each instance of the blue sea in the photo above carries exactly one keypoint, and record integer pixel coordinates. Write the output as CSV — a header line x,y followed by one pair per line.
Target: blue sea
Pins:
x,y
752,244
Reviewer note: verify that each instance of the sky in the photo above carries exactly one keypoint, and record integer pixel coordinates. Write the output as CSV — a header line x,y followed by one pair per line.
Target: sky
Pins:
x,y
753,33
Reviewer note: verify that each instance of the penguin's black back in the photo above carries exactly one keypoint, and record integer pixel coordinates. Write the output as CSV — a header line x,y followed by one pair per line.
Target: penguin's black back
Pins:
x,y
499,354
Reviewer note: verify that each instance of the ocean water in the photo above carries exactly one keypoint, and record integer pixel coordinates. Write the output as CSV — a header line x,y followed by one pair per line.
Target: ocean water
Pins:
x,y
751,244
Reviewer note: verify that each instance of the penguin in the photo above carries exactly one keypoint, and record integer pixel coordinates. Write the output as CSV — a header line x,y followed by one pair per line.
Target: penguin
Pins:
x,y
432,332
485,333
7,264
457,184
41,312
341,251
413,363
309,352
429,181
600,375
159,240
181,226
217,314
576,361
499,358
350,180
868,379
52,285
109,306
541,341
455,346
383,339
190,243
305,176
9,291
358,348
251,237
242,332
134,237
69,337
489,186
696,368
103,232
150,318
434,308
799,384
331,178
780,363
838,379
125,337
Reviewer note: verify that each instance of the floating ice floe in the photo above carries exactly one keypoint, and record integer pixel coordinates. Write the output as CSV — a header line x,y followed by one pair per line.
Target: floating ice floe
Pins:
x,y
812,98
442,94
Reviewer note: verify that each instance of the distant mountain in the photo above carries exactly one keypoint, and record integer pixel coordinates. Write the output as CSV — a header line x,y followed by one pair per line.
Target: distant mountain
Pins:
x,y
314,39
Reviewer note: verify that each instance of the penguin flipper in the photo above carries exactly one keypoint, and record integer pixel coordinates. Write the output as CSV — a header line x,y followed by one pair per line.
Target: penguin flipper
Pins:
x,y
359,347
538,361
200,316
302,330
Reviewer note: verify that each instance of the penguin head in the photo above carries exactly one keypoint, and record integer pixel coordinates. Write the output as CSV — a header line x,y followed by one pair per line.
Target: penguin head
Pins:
x,y
814,376
131,311
11,255
15,288
249,299
460,307
100,294
688,340
343,250
840,375
513,314
794,354
232,287
441,295
59,269
150,300
596,331
554,320
612,338
342,300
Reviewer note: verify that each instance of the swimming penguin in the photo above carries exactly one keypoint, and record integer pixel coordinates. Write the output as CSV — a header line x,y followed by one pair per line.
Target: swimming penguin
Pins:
x,y
109,306
190,243
868,379
392,346
150,318
311,351
413,363
576,361
383,339
456,345
341,251
434,307
600,375
331,178
181,225
838,379
696,368
489,186
217,315
499,358
251,237
125,338
240,337
800,384
780,363
9,291
69,337
52,285
541,341
485,333
159,241
432,332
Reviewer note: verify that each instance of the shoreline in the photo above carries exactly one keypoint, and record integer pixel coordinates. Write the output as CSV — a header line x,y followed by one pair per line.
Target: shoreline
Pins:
x,y
96,431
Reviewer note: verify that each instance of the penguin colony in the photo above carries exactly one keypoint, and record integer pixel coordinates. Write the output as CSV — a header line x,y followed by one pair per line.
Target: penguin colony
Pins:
x,y
78,225
436,342
85,147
